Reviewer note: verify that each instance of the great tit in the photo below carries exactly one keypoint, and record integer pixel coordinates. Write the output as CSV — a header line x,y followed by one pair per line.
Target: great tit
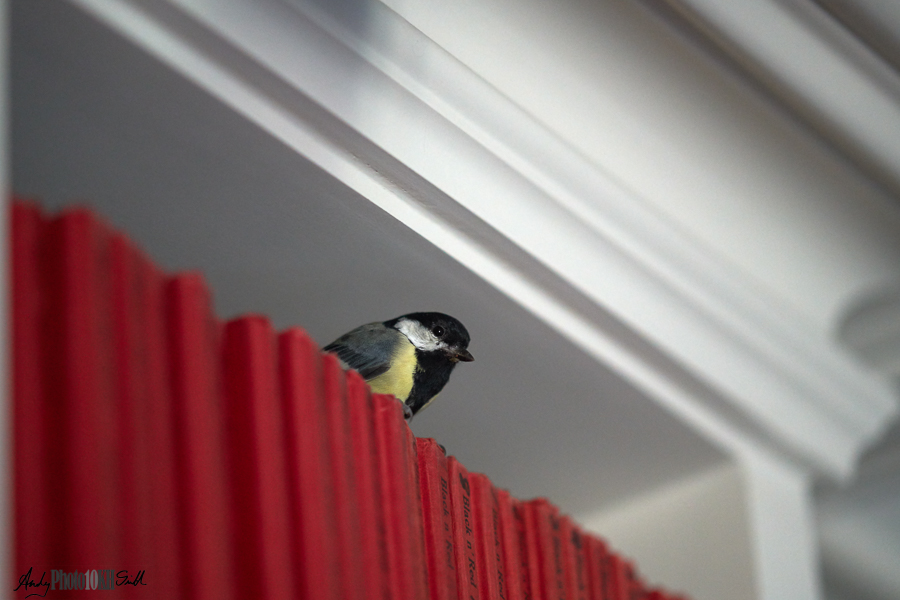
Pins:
x,y
410,357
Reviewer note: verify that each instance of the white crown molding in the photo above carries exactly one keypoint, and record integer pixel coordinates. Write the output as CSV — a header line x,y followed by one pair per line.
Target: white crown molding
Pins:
x,y
814,58
394,117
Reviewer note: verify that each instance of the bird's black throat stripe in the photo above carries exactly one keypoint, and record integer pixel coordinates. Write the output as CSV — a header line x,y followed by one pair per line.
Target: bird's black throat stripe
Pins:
x,y
432,373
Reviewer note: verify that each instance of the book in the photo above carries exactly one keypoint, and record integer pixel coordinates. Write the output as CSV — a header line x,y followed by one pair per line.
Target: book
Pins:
x,y
619,578
130,378
634,583
309,468
419,568
30,433
82,450
511,540
595,553
489,547
575,567
256,462
435,484
157,465
463,525
543,527
529,569
352,581
404,543
207,549
368,494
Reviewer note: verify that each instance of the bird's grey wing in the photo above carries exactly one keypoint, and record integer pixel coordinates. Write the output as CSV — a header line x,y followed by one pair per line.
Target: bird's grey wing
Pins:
x,y
367,349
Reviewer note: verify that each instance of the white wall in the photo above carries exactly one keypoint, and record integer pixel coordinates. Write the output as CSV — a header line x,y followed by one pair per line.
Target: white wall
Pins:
x,y
693,535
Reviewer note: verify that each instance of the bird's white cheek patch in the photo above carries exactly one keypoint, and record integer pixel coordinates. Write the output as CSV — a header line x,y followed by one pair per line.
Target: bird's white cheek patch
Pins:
x,y
420,337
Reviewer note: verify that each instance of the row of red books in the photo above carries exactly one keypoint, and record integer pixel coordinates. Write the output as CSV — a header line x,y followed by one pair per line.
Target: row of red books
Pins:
x,y
163,453
481,543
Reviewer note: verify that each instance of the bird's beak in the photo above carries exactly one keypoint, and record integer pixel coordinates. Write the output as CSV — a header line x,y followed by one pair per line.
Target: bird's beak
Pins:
x,y
464,356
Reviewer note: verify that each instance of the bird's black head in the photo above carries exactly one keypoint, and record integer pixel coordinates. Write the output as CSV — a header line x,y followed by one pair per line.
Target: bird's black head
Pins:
x,y
435,332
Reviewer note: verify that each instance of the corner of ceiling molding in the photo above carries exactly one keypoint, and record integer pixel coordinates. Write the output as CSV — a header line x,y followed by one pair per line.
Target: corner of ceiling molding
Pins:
x,y
823,56
870,330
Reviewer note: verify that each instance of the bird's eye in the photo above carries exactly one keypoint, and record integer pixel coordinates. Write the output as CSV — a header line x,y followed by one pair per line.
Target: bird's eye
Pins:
x,y
437,330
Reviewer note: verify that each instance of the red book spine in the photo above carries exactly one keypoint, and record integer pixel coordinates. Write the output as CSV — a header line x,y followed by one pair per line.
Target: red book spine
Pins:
x,y
595,558
513,561
419,568
573,560
80,376
397,465
368,499
487,533
467,576
256,461
129,375
31,441
353,585
158,462
618,577
635,584
528,552
207,560
435,485
309,468
549,546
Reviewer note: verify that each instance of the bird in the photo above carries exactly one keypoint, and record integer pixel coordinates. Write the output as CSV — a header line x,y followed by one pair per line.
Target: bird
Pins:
x,y
410,356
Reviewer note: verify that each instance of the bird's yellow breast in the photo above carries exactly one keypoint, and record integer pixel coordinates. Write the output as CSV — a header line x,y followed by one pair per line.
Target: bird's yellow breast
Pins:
x,y
398,380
